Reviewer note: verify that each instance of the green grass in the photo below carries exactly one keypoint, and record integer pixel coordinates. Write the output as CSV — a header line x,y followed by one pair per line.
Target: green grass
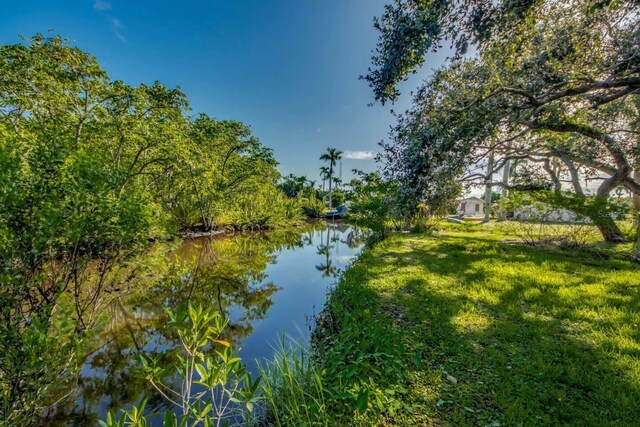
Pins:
x,y
292,389
463,329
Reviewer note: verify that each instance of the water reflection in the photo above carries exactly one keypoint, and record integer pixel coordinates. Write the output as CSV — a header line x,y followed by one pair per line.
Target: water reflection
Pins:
x,y
266,284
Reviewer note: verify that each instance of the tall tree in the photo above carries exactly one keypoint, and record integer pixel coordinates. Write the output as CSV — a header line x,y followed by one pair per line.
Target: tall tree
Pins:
x,y
551,86
90,169
332,155
488,187
324,173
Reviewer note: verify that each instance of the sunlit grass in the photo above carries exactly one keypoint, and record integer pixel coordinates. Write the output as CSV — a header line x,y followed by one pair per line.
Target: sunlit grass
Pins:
x,y
494,332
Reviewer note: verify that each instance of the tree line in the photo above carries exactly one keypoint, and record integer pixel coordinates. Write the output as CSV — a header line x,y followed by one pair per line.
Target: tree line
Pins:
x,y
90,169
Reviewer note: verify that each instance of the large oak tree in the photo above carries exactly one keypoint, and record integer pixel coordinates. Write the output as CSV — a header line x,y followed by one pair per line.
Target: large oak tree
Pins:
x,y
553,87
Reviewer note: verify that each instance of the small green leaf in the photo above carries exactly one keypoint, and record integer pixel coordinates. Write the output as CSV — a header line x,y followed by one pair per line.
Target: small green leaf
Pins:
x,y
170,419
362,401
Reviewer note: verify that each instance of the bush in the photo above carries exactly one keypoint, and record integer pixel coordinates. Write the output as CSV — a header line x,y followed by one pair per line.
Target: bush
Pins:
x,y
312,207
537,233
262,208
227,393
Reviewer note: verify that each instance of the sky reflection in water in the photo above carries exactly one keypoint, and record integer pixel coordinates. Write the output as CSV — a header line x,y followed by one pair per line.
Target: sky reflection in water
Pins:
x,y
267,284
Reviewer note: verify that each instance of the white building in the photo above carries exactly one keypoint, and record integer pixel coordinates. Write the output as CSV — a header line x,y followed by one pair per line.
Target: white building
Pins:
x,y
542,212
471,206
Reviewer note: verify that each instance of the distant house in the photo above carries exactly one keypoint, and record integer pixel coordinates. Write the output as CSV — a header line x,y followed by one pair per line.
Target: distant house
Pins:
x,y
471,206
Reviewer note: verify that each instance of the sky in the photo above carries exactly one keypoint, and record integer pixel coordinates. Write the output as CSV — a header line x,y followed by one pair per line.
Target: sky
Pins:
x,y
289,69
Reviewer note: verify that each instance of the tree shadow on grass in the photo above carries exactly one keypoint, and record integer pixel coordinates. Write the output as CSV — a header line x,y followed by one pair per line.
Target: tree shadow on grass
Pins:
x,y
519,334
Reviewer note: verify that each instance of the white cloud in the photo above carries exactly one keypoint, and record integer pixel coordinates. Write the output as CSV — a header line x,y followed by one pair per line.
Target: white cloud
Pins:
x,y
344,259
116,27
101,5
359,155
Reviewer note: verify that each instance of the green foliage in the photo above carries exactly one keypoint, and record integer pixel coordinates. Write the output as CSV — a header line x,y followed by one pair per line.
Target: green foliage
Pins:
x,y
135,417
303,190
61,207
90,169
411,30
361,363
293,389
206,362
94,137
36,361
298,186
372,201
265,207
226,175
313,207
522,101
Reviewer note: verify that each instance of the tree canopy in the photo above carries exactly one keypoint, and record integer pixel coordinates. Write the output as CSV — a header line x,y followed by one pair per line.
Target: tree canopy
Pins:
x,y
550,94
90,169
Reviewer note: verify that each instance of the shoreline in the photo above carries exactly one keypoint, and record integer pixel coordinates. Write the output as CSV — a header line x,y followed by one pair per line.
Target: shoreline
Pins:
x,y
449,330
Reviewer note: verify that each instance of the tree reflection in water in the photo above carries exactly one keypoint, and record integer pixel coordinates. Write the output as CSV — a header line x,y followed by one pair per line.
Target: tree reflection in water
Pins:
x,y
227,272
332,237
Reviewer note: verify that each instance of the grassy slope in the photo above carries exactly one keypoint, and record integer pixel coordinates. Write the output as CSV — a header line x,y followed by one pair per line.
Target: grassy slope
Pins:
x,y
530,335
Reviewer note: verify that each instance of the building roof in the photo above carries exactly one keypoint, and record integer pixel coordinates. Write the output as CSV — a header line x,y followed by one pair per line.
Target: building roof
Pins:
x,y
472,198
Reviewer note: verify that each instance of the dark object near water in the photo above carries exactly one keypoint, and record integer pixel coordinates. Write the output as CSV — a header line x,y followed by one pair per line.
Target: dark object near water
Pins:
x,y
339,212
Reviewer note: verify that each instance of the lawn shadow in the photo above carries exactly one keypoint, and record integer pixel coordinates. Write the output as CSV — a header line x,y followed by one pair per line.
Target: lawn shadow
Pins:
x,y
515,334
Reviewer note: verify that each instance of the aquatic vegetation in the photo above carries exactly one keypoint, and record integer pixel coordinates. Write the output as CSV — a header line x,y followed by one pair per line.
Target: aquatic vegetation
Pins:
x,y
292,388
226,391
241,276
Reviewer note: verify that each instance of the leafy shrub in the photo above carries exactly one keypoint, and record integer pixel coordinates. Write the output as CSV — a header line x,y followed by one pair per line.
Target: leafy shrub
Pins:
x,y
207,363
261,208
313,207
372,203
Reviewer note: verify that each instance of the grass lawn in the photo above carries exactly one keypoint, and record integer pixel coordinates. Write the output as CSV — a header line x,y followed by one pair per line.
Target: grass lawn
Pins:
x,y
463,329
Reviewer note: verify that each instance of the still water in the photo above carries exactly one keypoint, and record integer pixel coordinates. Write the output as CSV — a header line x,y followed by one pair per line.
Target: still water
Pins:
x,y
267,284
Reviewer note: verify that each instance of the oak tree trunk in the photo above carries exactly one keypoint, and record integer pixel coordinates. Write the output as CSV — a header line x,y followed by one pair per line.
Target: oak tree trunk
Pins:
x,y
502,215
488,188
605,222
636,212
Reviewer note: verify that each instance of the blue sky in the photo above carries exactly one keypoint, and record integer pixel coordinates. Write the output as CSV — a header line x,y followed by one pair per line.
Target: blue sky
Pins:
x,y
289,69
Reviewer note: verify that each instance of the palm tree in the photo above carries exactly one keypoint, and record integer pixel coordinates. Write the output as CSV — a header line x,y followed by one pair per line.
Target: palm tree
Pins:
x,y
324,173
301,181
332,156
338,182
